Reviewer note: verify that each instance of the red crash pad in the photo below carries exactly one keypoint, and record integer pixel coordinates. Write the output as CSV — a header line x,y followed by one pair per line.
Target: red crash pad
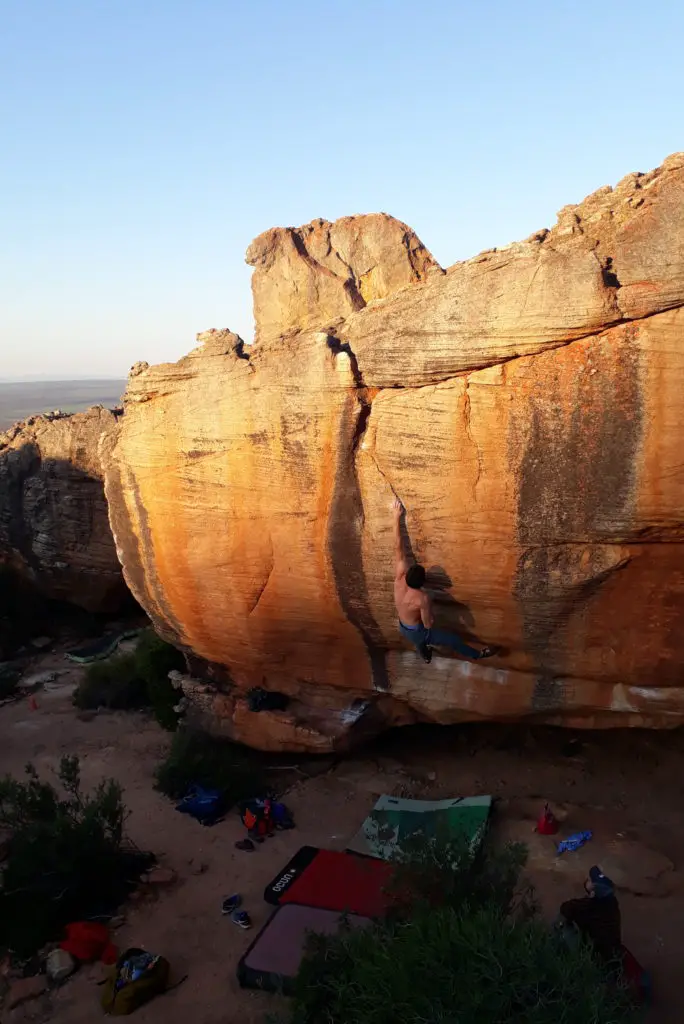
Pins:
x,y
333,881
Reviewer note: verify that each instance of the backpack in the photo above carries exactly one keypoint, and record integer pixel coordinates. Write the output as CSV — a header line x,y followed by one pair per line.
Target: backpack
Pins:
x,y
261,816
136,978
205,805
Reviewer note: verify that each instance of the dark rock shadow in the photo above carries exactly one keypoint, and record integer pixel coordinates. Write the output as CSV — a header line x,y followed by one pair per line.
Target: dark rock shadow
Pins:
x,y
52,514
439,583
456,614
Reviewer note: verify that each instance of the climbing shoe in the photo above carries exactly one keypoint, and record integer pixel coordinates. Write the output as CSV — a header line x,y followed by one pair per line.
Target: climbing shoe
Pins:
x,y
242,919
425,652
231,903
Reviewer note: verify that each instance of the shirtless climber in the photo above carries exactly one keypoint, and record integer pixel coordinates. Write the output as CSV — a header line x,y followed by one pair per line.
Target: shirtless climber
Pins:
x,y
416,620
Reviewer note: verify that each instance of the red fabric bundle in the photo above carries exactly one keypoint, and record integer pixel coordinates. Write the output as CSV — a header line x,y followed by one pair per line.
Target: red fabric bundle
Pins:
x,y
547,824
88,941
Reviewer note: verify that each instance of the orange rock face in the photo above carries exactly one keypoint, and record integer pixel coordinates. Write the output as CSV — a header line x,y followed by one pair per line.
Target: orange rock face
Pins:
x,y
525,408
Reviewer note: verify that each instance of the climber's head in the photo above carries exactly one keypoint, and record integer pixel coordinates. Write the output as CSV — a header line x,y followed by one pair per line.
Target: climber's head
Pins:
x,y
598,885
415,577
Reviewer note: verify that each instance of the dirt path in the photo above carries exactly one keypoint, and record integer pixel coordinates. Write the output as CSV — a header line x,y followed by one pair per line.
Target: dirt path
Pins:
x,y
626,787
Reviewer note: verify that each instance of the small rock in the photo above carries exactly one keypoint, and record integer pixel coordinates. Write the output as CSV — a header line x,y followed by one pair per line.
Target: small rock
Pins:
x,y
41,643
34,682
24,989
160,876
59,965
432,776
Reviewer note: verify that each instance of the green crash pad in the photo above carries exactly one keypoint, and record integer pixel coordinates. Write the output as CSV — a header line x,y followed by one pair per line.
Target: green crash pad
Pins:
x,y
100,649
393,820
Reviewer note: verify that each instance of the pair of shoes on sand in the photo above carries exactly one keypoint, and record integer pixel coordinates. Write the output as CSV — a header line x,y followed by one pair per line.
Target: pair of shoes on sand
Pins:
x,y
231,908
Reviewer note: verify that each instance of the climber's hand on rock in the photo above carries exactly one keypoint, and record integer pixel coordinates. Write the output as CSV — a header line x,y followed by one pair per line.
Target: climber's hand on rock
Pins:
x,y
397,508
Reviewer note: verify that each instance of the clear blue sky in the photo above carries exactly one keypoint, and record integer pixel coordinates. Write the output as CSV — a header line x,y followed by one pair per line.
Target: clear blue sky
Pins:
x,y
146,142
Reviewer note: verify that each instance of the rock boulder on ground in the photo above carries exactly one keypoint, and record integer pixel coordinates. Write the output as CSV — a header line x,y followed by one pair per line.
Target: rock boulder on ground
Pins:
x,y
525,406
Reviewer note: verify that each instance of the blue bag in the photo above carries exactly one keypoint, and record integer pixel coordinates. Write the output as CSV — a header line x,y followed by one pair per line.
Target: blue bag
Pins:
x,y
574,842
205,805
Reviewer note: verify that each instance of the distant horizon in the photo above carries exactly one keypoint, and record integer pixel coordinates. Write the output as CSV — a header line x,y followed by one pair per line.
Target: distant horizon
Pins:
x,y
40,378
20,399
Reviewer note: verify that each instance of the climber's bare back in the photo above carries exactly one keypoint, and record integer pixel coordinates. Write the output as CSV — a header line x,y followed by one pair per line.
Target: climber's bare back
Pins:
x,y
413,606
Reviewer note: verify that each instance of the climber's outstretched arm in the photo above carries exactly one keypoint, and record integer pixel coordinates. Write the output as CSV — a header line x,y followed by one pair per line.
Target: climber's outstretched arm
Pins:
x,y
402,563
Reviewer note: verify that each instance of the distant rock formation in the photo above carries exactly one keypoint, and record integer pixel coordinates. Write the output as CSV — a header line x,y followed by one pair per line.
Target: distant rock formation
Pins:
x,y
54,528
525,406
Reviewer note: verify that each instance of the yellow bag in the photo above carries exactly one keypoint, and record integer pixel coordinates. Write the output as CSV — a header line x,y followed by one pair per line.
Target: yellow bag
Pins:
x,y
137,977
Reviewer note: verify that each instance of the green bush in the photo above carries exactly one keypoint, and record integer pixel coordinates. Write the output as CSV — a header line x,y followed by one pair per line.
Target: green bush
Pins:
x,y
196,758
477,956
9,680
114,683
470,966
154,660
66,858
135,680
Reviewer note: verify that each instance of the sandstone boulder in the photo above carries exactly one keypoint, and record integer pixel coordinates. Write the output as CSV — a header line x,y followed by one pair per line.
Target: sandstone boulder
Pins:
x,y
525,408
321,272
54,527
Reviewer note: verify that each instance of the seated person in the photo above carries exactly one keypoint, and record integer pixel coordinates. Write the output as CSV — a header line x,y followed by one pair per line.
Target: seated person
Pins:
x,y
596,915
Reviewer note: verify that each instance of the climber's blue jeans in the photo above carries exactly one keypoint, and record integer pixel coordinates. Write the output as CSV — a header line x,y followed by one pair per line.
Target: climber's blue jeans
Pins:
x,y
420,636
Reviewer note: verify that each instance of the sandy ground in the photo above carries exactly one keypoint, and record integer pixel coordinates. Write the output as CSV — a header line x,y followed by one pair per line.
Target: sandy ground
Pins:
x,y
625,786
